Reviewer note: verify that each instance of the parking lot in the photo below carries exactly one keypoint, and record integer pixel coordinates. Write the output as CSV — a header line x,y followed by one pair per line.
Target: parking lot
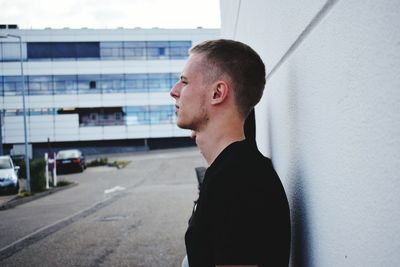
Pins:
x,y
134,216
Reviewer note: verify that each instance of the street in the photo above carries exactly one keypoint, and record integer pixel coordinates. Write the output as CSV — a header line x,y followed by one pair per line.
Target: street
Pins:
x,y
134,216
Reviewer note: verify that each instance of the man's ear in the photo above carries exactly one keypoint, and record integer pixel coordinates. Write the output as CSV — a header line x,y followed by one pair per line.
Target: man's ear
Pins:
x,y
220,92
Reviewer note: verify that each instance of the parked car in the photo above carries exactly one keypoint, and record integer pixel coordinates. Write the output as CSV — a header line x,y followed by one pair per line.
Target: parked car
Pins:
x,y
8,175
70,160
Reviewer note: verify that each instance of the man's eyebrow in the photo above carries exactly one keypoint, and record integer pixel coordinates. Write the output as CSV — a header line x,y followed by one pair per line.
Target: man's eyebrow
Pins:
x,y
183,77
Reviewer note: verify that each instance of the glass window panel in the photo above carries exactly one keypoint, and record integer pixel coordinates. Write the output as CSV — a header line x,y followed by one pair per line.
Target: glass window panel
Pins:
x,y
159,82
63,50
88,50
178,52
13,112
39,50
40,85
65,84
35,111
137,115
85,82
157,44
136,83
42,111
13,85
179,49
1,87
157,53
157,49
162,114
111,50
174,78
135,50
112,83
10,112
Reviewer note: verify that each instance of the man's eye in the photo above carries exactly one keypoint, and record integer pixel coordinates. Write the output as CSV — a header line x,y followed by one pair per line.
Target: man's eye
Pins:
x,y
184,82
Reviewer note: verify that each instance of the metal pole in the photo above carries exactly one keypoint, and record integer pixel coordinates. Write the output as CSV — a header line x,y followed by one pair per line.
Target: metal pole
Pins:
x,y
28,172
1,132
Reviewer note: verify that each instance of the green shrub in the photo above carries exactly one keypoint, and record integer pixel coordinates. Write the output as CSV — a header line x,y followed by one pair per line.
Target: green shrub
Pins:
x,y
120,163
63,183
37,171
97,162
23,194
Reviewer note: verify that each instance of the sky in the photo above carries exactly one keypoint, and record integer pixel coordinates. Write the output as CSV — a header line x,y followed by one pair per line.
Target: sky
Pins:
x,y
110,14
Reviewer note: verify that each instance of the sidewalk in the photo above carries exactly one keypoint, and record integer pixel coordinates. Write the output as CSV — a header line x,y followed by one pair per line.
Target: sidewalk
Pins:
x,y
10,201
6,198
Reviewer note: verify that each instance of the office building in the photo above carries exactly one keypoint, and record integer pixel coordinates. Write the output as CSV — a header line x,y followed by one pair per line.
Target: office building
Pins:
x,y
93,88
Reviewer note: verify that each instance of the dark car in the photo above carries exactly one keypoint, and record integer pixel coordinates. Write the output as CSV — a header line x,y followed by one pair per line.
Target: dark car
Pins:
x,y
70,160
8,175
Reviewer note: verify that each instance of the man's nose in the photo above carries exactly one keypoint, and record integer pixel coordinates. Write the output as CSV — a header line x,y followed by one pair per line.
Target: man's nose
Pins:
x,y
175,91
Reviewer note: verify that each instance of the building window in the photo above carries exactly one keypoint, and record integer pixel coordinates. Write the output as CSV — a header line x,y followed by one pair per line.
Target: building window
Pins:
x,y
13,85
135,83
92,84
40,85
159,82
157,49
93,116
135,50
179,49
137,115
112,83
1,90
105,116
87,84
118,116
65,84
162,114
111,50
63,50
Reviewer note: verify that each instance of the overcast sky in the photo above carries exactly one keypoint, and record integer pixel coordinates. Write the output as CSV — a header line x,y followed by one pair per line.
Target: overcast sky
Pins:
x,y
39,14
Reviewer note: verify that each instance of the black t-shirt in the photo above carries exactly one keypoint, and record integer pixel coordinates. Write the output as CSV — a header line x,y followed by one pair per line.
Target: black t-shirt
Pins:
x,y
242,213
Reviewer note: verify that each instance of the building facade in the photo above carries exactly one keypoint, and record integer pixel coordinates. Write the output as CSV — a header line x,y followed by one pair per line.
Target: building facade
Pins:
x,y
88,85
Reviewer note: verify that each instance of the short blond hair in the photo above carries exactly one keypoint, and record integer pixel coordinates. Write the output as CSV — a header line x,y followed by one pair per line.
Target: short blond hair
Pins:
x,y
241,64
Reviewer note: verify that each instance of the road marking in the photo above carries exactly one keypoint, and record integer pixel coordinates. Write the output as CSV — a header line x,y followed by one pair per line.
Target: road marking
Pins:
x,y
114,189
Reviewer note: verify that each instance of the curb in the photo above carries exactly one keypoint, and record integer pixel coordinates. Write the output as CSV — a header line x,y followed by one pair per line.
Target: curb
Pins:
x,y
18,201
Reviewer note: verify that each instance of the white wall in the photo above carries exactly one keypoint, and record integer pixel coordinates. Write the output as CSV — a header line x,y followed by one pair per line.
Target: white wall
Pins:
x,y
330,121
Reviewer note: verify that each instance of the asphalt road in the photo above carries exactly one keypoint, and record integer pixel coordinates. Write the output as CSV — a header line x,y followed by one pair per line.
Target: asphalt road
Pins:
x,y
135,216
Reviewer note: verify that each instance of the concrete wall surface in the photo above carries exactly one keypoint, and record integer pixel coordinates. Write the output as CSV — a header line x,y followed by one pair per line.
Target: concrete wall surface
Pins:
x,y
330,121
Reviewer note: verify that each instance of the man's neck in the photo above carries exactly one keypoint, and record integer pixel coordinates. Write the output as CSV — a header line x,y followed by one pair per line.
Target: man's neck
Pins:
x,y
213,140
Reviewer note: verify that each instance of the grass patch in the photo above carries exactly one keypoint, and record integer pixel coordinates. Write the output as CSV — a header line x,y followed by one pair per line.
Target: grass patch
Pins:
x,y
97,162
23,194
119,164
63,183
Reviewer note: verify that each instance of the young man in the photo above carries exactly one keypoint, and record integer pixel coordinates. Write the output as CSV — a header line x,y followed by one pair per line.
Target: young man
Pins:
x,y
241,217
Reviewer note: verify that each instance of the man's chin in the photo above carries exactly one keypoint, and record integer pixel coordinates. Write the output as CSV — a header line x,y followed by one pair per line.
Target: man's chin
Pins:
x,y
183,125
